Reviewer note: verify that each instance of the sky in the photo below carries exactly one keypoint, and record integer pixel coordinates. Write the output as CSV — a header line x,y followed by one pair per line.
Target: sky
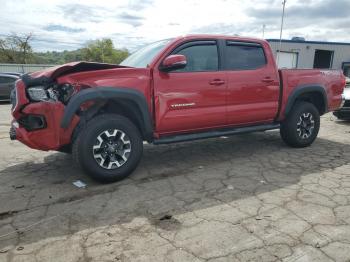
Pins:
x,y
69,24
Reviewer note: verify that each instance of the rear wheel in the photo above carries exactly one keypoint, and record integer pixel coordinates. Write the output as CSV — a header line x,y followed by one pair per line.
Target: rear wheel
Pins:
x,y
301,126
109,148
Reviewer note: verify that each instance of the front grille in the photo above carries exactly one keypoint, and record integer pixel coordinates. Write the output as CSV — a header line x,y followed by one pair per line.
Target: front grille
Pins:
x,y
13,98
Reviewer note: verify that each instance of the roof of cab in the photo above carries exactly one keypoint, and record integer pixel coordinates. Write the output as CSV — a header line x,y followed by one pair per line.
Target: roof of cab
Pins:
x,y
226,37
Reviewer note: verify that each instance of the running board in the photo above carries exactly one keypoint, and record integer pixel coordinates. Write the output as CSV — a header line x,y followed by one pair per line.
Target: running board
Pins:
x,y
214,133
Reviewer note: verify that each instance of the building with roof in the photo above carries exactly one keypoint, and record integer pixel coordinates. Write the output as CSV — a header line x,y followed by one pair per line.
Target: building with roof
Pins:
x,y
298,53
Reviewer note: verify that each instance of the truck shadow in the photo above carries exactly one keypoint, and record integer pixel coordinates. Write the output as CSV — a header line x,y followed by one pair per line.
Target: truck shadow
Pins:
x,y
171,180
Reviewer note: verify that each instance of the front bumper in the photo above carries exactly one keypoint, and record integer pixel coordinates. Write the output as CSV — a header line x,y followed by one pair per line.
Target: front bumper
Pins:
x,y
37,124
343,115
344,110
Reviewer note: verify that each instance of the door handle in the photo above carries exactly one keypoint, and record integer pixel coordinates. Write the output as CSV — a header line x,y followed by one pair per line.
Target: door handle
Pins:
x,y
217,82
267,80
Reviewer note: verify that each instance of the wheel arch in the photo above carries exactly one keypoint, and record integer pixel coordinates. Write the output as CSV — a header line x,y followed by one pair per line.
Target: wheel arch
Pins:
x,y
314,94
129,102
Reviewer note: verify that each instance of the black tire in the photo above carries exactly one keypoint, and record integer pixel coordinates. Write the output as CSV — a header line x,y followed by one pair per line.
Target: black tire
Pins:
x,y
293,131
85,155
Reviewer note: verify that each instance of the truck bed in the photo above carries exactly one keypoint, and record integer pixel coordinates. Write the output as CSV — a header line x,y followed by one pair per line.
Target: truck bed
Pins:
x,y
329,80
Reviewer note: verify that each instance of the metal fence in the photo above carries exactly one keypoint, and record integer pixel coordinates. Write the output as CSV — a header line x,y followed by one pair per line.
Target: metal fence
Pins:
x,y
22,68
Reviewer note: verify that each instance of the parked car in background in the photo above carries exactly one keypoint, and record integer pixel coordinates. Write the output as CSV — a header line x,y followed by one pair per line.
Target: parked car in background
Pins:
x,y
343,113
13,73
174,90
7,84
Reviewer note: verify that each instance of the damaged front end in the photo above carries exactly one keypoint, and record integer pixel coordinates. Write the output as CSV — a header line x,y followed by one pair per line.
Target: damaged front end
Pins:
x,y
38,105
37,112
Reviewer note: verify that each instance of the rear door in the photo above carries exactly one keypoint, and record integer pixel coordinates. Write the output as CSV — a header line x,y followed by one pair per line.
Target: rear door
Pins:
x,y
253,84
194,97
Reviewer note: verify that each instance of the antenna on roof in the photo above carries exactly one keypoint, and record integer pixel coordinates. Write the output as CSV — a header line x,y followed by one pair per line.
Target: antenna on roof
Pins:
x,y
263,31
282,20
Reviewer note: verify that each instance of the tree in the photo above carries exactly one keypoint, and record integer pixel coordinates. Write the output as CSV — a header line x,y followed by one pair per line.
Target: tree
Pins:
x,y
16,49
103,51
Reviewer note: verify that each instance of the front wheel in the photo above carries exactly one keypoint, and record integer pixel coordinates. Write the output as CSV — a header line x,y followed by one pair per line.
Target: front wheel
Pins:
x,y
109,148
301,126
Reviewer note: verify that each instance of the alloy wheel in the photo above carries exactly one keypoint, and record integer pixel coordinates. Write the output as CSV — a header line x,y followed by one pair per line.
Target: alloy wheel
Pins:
x,y
305,125
112,149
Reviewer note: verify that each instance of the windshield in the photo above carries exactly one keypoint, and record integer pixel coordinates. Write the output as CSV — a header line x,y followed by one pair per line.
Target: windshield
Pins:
x,y
144,56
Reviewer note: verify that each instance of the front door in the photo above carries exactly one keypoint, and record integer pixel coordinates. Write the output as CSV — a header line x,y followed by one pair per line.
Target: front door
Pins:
x,y
194,97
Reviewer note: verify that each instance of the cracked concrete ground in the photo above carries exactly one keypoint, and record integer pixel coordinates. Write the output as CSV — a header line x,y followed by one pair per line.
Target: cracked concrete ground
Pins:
x,y
243,198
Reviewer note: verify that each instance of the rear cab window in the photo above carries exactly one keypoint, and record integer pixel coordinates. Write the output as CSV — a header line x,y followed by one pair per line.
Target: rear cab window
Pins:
x,y
244,55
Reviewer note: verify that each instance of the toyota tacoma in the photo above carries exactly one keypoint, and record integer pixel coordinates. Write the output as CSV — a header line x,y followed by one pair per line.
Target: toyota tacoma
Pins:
x,y
174,90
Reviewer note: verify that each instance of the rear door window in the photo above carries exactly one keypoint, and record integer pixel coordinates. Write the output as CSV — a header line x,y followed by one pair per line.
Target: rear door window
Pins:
x,y
244,56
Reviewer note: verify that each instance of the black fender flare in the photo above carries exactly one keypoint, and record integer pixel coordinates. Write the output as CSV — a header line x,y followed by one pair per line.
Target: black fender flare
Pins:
x,y
304,89
115,93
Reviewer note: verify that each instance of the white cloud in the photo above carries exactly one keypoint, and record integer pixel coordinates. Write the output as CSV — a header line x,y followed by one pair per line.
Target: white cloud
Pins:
x,y
68,24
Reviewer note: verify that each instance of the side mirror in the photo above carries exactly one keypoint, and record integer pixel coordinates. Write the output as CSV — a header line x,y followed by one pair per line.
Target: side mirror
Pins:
x,y
173,62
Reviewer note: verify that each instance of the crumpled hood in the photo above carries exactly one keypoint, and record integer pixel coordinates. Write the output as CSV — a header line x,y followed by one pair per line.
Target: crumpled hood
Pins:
x,y
48,75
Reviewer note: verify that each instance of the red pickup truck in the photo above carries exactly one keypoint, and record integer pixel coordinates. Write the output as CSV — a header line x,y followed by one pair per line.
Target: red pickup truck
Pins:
x,y
174,90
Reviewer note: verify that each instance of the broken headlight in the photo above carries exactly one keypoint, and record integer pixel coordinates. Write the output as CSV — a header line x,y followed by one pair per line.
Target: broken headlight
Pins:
x,y
40,93
65,92
37,93
53,93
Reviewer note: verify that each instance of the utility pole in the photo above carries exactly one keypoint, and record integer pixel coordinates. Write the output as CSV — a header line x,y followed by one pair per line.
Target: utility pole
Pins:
x,y
263,31
282,20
